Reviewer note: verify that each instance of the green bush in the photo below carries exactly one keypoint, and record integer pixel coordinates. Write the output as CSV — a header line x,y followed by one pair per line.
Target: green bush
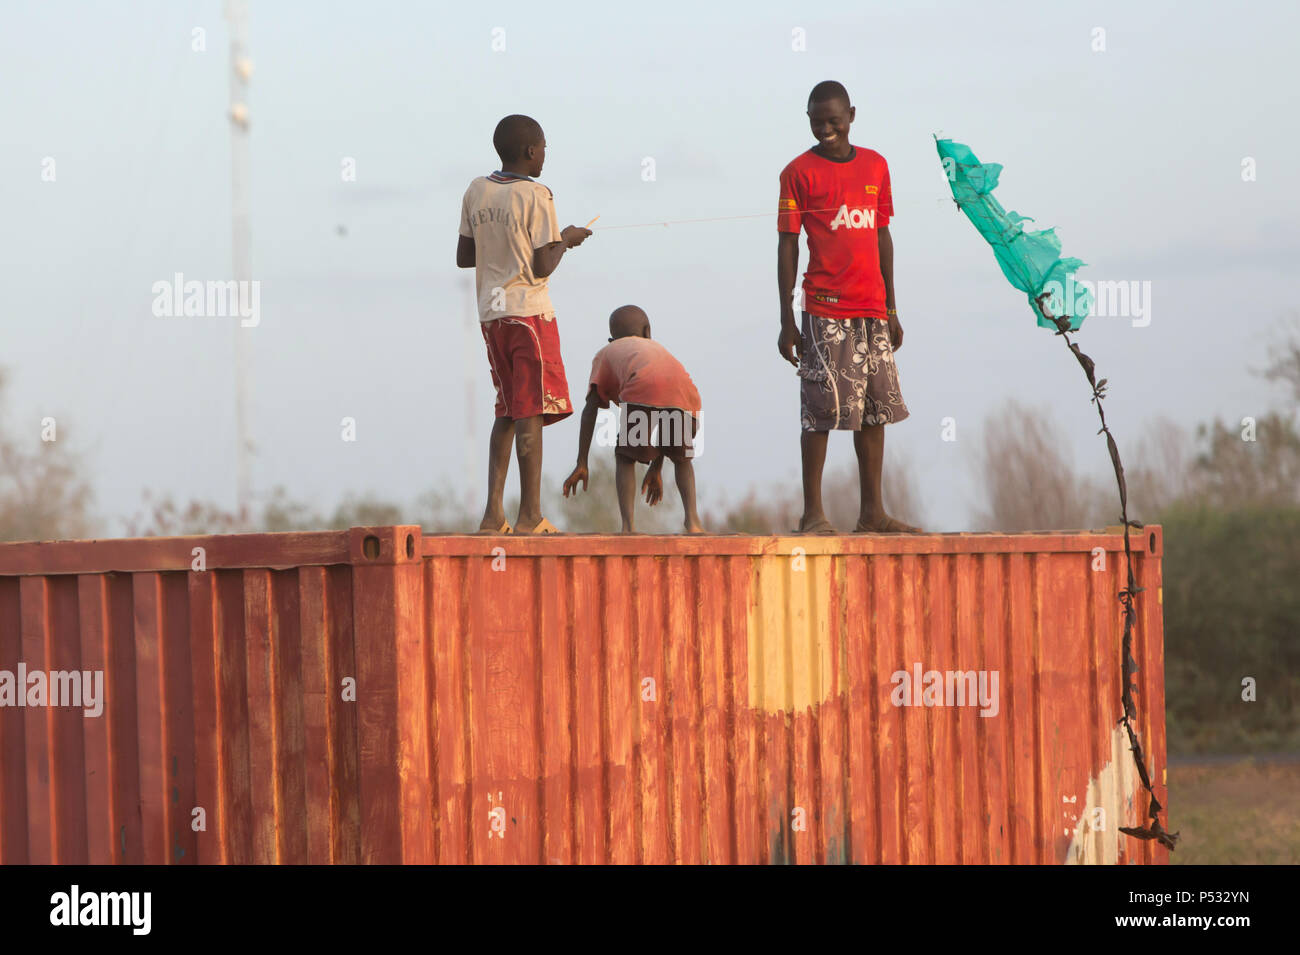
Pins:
x,y
1231,611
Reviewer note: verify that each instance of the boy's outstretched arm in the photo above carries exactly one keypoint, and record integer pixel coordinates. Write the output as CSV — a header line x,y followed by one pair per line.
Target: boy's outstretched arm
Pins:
x,y
546,259
885,242
465,253
790,343
585,431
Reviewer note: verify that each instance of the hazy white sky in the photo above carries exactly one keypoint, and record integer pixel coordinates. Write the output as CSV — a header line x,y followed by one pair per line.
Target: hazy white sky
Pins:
x,y
1134,153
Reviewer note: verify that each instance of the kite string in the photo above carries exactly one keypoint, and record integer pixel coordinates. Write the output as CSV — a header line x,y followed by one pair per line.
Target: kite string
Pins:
x,y
757,215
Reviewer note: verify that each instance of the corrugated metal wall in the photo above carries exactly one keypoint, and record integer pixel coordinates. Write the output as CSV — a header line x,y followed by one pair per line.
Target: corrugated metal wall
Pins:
x,y
217,697
576,699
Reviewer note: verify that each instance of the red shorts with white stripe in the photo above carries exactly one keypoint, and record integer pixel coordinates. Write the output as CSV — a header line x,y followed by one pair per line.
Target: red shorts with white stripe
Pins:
x,y
524,352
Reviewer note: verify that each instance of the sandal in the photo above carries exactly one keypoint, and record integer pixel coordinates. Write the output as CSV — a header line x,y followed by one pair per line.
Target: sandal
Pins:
x,y
891,526
544,527
822,527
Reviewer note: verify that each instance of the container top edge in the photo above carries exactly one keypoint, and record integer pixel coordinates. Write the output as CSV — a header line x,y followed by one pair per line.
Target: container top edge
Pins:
x,y
315,548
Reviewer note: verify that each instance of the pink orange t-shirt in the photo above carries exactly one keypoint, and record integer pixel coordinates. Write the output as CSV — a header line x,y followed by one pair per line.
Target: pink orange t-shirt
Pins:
x,y
640,371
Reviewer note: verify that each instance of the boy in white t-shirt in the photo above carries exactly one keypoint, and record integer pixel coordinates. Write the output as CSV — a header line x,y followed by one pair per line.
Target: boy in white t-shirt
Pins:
x,y
509,235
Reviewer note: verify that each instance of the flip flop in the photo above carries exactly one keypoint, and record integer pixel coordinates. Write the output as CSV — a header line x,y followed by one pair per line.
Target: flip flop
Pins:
x,y
822,527
505,528
892,526
545,527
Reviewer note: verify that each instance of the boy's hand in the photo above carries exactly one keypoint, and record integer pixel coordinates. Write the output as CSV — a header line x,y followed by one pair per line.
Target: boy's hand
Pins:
x,y
790,342
653,486
573,236
572,480
895,333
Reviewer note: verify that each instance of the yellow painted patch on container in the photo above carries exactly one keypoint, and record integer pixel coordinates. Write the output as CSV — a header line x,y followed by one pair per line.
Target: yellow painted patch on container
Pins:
x,y
1160,595
790,645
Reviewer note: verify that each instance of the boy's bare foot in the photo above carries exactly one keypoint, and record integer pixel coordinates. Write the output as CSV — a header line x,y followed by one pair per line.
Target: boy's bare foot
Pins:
x,y
696,528
885,525
817,524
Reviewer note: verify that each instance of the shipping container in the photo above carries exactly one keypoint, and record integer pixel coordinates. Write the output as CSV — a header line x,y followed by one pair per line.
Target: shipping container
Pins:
x,y
378,695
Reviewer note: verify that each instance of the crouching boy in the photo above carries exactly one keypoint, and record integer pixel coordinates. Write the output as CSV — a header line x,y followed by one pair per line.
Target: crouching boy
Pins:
x,y
660,408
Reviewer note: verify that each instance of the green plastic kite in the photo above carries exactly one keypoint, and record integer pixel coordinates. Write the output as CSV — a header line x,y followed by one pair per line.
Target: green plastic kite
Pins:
x,y
1030,260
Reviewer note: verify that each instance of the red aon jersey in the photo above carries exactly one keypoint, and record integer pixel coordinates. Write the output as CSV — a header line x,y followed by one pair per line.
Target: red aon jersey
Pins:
x,y
840,205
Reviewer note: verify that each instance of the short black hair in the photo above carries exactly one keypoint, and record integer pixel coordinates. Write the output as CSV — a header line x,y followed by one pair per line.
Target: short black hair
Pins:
x,y
514,135
828,90
627,320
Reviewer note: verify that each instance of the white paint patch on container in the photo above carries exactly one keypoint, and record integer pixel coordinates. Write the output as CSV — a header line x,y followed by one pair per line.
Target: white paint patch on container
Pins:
x,y
1097,839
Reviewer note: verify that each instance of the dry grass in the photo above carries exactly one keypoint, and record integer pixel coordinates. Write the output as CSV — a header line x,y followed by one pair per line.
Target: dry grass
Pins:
x,y
1245,813
1028,483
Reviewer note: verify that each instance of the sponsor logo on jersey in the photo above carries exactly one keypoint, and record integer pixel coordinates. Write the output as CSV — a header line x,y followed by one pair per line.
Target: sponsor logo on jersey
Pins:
x,y
854,218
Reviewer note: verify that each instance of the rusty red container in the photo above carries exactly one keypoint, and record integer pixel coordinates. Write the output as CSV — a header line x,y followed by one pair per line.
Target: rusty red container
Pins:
x,y
377,695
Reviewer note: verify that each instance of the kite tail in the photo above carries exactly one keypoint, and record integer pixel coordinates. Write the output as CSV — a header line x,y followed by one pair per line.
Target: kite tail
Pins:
x,y
1127,596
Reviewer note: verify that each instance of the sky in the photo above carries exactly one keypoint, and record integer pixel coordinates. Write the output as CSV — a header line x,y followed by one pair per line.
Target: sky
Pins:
x,y
1125,126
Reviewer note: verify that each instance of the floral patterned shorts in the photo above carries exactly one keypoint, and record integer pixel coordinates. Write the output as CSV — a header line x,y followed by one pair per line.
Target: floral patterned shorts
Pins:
x,y
849,379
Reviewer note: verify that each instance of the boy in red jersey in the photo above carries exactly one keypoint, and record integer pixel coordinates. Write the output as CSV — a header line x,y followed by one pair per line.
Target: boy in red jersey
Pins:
x,y
511,238
839,193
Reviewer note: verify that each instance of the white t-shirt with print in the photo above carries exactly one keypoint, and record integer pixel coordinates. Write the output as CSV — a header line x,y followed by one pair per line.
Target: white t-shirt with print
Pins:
x,y
509,217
